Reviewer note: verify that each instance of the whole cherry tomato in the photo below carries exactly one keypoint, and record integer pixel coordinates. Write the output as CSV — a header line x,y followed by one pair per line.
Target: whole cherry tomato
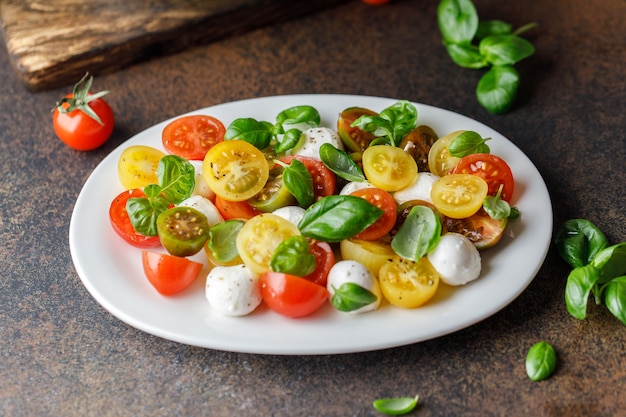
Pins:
x,y
83,121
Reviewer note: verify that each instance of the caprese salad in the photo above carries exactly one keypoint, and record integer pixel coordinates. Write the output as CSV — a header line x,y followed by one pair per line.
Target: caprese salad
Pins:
x,y
293,214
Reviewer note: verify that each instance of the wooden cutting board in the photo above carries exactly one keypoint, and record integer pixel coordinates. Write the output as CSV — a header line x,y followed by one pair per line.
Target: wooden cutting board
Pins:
x,y
53,43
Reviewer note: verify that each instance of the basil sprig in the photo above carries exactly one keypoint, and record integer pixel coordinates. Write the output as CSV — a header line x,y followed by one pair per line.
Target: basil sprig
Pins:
x,y
340,163
473,44
499,209
598,269
418,235
293,256
338,217
351,296
176,178
262,134
391,124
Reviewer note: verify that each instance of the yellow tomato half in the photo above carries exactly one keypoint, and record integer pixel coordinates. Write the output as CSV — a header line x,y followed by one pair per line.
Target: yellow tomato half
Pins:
x,y
137,166
440,162
408,284
389,167
459,195
371,253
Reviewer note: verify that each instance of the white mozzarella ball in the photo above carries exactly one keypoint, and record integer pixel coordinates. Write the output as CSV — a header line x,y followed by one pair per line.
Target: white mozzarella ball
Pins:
x,y
419,190
353,186
233,290
204,206
312,139
201,187
352,271
456,259
292,213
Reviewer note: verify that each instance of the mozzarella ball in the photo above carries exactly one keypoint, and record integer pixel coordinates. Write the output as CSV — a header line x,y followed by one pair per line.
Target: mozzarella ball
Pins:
x,y
204,206
312,139
353,186
456,259
419,190
233,290
357,273
292,213
201,187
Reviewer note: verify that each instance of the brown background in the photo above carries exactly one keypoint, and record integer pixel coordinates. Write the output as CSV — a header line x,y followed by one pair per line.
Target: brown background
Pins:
x,y
63,354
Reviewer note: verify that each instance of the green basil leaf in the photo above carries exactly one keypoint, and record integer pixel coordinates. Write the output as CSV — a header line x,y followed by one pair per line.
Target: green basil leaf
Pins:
x,y
497,89
503,50
299,114
223,239
396,406
257,133
540,361
376,125
493,27
615,297
350,296
418,235
610,262
338,217
143,212
578,241
293,256
457,20
340,163
288,141
299,182
402,116
466,56
496,207
468,143
580,283
177,178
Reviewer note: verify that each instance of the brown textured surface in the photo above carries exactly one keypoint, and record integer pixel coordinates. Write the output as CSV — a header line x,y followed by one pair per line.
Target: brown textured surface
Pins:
x,y
63,354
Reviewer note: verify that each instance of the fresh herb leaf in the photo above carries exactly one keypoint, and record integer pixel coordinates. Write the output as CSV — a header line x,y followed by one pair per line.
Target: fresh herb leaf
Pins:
x,y
391,124
223,239
299,114
493,27
496,207
418,235
468,143
287,141
338,217
176,177
578,241
497,89
540,361
615,298
457,20
580,283
340,163
610,262
350,296
466,55
396,406
255,132
299,182
293,256
503,50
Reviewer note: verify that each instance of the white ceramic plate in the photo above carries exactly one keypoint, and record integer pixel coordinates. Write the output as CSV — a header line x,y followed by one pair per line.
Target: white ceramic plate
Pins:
x,y
112,272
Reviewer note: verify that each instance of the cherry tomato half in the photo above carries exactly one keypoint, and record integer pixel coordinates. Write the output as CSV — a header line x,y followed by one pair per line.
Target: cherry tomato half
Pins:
x,y
458,195
235,209
137,166
384,201
122,225
191,137
324,261
290,295
492,169
324,181
408,284
389,167
169,274
354,138
81,132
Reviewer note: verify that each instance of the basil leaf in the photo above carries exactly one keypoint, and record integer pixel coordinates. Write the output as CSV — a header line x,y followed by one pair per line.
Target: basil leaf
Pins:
x,y
615,297
419,234
299,182
402,116
610,262
580,283
396,406
338,217
143,212
299,114
496,207
350,296
375,125
466,56
340,163
176,176
503,50
223,239
293,256
257,133
497,88
578,241
540,361
288,141
493,27
468,143
457,20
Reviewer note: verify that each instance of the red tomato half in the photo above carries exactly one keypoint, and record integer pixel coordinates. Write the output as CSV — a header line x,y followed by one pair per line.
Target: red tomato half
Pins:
x,y
122,225
79,131
492,169
324,260
167,273
384,201
235,209
324,181
290,295
191,137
